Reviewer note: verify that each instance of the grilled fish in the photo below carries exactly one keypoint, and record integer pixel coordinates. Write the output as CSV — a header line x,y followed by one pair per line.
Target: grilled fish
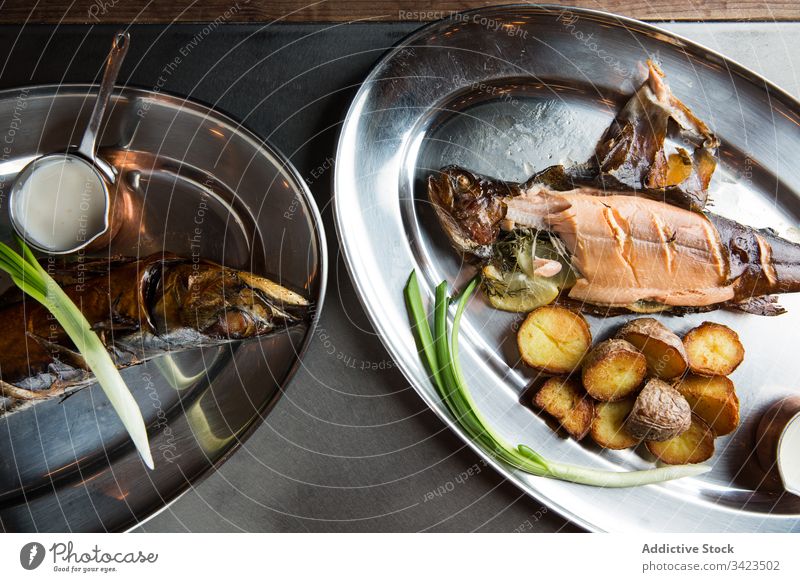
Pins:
x,y
139,308
627,252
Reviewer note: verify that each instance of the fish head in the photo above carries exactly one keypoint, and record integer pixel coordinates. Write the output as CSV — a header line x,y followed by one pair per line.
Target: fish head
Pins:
x,y
223,303
469,207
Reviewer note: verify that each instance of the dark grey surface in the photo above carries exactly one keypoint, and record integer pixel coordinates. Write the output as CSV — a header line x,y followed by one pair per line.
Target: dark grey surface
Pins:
x,y
350,447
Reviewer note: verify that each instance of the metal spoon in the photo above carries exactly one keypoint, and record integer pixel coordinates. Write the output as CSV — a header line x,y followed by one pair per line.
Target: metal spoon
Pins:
x,y
98,176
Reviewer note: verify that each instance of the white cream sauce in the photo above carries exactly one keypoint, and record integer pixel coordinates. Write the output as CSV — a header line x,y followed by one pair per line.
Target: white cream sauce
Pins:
x,y
61,203
789,456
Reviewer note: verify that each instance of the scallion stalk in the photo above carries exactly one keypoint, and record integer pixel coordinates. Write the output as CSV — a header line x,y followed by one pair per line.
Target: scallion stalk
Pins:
x,y
28,275
440,354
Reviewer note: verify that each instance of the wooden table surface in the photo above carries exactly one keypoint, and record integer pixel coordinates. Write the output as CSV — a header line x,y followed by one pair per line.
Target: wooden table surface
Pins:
x,y
166,11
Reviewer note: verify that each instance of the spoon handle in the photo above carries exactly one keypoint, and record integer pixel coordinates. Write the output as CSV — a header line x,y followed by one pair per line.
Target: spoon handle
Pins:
x,y
119,49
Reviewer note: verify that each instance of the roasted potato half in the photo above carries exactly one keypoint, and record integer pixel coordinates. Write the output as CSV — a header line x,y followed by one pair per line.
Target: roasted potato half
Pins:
x,y
553,339
665,352
713,399
713,349
659,413
608,427
613,370
695,445
568,403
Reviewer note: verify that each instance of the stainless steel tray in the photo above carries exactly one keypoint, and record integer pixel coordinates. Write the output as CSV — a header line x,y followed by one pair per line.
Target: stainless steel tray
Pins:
x,y
507,91
211,188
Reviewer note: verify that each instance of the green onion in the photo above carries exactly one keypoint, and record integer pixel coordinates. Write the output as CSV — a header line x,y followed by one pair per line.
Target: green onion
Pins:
x,y
439,352
28,275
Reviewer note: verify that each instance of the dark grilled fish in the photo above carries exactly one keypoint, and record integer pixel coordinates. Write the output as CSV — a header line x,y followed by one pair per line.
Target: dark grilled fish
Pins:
x,y
139,308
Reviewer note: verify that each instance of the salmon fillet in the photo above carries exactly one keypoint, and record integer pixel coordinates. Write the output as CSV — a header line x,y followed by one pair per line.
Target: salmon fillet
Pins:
x,y
628,248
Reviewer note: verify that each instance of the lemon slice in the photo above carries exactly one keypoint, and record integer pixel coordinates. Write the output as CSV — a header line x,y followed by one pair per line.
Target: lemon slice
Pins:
x,y
517,292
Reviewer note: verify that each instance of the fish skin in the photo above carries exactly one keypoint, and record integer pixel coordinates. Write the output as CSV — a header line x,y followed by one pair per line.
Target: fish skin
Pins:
x,y
760,262
752,263
635,152
140,308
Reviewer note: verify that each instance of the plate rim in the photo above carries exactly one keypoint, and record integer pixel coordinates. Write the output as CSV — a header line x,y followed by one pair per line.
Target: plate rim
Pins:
x,y
213,112
732,66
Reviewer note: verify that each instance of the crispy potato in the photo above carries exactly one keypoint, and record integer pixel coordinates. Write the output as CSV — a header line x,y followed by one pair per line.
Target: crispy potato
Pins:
x,y
613,370
713,399
554,339
665,353
693,446
660,413
566,401
713,349
608,427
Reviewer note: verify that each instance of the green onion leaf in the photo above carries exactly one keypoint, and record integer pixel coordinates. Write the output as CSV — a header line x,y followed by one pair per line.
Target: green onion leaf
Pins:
x,y
440,355
32,279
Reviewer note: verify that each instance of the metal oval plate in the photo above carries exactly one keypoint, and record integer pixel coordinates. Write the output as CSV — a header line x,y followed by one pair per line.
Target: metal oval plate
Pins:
x,y
212,189
510,90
